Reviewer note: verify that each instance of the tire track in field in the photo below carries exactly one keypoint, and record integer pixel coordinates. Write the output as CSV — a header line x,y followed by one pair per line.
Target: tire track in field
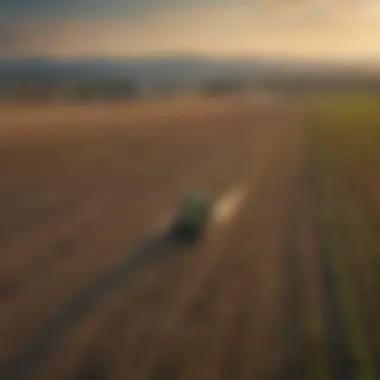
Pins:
x,y
313,323
322,335
360,222
155,248
325,333
287,355
263,330
341,361
291,366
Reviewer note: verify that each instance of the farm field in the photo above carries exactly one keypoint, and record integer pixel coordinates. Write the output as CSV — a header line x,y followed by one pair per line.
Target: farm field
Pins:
x,y
346,132
281,286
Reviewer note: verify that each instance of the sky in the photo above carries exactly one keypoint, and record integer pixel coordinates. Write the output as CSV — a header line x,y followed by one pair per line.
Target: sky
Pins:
x,y
333,30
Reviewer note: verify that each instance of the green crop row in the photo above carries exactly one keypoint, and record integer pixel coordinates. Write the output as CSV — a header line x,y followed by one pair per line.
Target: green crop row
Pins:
x,y
345,159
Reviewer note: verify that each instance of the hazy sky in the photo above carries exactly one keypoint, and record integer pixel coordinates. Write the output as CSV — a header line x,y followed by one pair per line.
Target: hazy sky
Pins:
x,y
302,29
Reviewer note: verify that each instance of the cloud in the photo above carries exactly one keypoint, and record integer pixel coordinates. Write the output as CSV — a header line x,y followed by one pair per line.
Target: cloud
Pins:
x,y
302,29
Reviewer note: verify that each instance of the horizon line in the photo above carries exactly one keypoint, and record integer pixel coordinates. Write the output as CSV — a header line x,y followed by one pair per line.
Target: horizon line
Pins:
x,y
191,56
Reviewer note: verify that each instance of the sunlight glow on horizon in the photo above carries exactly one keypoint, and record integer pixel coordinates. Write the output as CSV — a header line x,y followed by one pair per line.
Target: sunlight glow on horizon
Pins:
x,y
304,30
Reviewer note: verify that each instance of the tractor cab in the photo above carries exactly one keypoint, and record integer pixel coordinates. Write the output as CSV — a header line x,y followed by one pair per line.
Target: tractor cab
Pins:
x,y
193,214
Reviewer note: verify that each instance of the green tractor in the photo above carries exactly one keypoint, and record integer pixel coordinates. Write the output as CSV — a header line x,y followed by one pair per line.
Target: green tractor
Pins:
x,y
193,215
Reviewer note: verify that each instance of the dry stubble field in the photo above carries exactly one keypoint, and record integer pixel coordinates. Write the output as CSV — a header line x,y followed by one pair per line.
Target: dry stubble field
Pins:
x,y
88,292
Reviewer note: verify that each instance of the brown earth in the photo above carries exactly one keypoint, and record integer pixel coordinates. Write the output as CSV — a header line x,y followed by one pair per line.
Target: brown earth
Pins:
x,y
81,186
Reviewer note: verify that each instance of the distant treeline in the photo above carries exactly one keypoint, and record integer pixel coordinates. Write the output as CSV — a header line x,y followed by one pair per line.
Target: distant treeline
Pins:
x,y
110,89
320,84
40,91
129,89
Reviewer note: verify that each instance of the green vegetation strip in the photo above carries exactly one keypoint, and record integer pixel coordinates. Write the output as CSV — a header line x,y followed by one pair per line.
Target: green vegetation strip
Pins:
x,y
333,243
312,311
313,332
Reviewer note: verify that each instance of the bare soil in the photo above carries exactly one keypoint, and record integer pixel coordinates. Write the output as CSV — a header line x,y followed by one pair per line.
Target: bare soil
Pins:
x,y
82,186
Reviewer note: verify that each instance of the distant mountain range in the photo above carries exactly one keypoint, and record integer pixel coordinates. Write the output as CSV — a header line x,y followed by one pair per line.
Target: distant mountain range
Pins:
x,y
177,71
